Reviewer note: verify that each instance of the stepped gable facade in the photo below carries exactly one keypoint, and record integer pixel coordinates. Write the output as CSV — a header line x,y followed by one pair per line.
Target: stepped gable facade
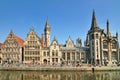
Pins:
x,y
12,49
100,48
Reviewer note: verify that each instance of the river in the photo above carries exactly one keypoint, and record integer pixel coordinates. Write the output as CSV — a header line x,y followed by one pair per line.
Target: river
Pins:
x,y
37,75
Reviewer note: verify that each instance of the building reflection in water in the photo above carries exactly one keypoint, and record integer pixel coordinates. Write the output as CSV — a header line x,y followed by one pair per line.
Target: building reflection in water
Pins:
x,y
19,75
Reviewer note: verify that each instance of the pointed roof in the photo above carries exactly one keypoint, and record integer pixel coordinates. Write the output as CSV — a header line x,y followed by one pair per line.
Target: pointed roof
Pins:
x,y
108,28
54,40
18,39
94,21
11,34
47,26
32,31
69,42
117,34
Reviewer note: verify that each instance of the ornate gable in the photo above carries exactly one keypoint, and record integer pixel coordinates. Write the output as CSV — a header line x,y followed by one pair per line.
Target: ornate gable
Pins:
x,y
54,42
54,45
32,38
13,40
69,43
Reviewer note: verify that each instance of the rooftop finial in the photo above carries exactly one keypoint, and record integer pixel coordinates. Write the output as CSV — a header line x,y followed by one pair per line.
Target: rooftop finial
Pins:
x,y
11,31
117,34
108,27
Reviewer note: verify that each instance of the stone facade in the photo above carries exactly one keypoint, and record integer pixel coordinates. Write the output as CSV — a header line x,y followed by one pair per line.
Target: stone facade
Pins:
x,y
0,53
72,54
103,46
39,50
100,48
12,49
32,48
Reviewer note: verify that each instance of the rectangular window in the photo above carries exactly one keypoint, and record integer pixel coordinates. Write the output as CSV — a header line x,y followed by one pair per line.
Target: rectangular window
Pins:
x,y
114,45
56,52
96,36
48,54
73,56
52,59
52,53
56,59
44,53
68,56
63,55
105,45
92,36
78,56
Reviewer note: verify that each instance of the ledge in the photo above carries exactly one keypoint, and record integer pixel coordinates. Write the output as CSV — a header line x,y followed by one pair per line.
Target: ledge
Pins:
x,y
60,69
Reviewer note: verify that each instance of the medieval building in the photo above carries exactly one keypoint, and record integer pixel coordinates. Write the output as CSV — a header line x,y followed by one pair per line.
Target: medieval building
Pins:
x,y
32,48
12,49
73,53
101,48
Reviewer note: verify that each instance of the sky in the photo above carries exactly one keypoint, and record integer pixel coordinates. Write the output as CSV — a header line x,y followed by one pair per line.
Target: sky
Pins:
x,y
66,17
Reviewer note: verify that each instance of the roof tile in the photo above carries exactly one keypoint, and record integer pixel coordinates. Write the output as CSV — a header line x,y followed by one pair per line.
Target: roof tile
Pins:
x,y
20,41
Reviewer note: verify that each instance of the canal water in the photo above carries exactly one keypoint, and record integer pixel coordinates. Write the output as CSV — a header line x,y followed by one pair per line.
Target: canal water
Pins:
x,y
37,75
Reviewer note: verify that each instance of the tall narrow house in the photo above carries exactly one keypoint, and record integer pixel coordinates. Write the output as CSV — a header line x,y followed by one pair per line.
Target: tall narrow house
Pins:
x,y
12,49
32,48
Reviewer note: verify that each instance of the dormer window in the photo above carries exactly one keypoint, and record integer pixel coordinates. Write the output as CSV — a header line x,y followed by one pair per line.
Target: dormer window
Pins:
x,y
92,36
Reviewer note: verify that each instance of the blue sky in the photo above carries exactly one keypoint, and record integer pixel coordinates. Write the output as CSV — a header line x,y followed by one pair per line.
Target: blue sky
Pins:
x,y
66,17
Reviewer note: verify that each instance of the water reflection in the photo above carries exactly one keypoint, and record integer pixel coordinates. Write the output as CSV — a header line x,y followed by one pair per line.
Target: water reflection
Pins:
x,y
19,75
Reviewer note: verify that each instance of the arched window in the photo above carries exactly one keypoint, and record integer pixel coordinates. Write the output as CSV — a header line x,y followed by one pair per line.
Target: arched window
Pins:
x,y
105,44
92,36
97,36
105,53
68,56
114,44
114,55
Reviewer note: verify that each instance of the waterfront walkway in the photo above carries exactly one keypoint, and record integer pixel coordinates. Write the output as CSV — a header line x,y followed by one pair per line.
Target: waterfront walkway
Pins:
x,y
23,67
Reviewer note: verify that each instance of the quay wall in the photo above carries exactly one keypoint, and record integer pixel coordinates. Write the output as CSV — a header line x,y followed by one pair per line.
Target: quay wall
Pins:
x,y
61,69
